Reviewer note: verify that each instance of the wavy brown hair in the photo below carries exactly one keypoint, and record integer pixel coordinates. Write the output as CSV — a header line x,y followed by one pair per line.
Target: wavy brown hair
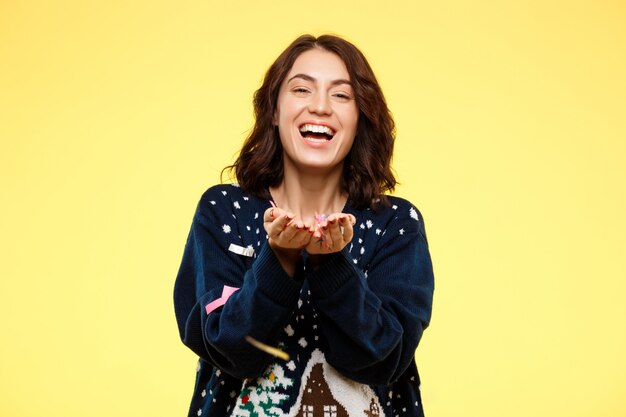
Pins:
x,y
367,173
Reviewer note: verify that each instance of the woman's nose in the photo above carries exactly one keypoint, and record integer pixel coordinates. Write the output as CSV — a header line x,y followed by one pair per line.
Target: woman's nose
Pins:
x,y
320,104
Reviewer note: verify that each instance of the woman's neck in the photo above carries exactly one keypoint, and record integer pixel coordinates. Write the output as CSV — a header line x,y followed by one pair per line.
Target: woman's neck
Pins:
x,y
307,195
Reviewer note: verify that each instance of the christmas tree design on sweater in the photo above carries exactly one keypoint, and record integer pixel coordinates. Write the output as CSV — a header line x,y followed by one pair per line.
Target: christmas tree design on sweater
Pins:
x,y
262,399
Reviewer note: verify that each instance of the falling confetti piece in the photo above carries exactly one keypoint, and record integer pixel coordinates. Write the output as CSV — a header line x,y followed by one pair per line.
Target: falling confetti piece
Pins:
x,y
267,349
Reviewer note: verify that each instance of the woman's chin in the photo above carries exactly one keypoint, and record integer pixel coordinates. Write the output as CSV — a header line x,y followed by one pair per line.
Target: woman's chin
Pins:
x,y
319,166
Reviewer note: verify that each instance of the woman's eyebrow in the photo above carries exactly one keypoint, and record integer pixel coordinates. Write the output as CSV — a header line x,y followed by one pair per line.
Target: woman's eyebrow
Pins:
x,y
312,79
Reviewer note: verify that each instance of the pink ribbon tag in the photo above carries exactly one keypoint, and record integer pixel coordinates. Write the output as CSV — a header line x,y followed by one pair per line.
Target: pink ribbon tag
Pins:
x,y
226,293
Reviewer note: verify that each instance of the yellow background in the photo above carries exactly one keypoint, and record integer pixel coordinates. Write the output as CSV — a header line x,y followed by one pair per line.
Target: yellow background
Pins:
x,y
116,115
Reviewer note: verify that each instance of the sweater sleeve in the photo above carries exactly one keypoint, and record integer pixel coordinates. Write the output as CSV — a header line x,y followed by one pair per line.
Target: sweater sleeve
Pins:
x,y
212,323
373,324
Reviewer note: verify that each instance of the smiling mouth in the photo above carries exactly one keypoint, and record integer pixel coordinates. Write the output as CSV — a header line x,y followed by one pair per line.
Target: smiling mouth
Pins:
x,y
316,133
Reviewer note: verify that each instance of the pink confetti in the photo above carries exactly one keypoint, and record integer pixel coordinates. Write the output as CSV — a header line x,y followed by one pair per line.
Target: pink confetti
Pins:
x,y
319,218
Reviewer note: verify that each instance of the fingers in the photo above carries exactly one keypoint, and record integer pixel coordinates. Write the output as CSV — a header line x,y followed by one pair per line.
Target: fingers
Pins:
x,y
272,214
284,230
332,234
294,235
279,224
303,236
347,224
328,236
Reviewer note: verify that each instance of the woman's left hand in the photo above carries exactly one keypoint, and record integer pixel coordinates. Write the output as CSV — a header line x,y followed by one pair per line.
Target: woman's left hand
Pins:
x,y
332,234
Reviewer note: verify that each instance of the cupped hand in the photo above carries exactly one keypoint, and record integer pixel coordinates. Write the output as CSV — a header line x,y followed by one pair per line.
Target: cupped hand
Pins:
x,y
284,231
332,234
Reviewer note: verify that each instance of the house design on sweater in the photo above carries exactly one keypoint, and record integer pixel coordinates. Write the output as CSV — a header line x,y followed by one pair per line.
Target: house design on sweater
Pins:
x,y
373,411
324,392
317,400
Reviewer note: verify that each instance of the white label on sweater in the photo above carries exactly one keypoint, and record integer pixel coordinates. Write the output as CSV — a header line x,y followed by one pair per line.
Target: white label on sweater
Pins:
x,y
240,250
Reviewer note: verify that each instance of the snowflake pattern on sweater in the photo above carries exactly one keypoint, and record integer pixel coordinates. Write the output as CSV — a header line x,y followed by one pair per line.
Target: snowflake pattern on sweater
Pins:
x,y
350,327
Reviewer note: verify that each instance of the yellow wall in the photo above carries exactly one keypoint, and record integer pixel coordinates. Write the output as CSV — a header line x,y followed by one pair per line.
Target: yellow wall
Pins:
x,y
116,115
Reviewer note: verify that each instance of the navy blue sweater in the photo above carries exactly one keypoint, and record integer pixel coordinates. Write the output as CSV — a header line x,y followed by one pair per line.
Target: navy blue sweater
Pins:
x,y
350,327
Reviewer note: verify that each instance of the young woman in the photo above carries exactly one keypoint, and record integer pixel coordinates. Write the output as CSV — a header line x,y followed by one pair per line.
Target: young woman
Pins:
x,y
304,289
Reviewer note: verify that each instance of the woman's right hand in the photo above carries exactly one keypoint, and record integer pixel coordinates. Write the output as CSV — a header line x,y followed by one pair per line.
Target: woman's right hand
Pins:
x,y
284,231
287,236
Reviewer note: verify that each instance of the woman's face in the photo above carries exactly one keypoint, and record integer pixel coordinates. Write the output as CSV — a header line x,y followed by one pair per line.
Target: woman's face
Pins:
x,y
316,113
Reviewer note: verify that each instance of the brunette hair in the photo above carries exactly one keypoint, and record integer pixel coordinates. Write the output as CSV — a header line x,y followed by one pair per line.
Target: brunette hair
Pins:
x,y
367,173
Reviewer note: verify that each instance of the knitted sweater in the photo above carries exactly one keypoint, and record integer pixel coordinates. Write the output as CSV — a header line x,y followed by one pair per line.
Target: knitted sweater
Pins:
x,y
350,327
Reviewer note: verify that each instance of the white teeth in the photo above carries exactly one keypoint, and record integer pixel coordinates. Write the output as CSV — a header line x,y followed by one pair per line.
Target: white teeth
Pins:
x,y
315,140
317,129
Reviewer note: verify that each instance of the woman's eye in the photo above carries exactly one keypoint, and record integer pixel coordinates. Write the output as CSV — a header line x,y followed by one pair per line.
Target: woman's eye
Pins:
x,y
300,90
342,96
